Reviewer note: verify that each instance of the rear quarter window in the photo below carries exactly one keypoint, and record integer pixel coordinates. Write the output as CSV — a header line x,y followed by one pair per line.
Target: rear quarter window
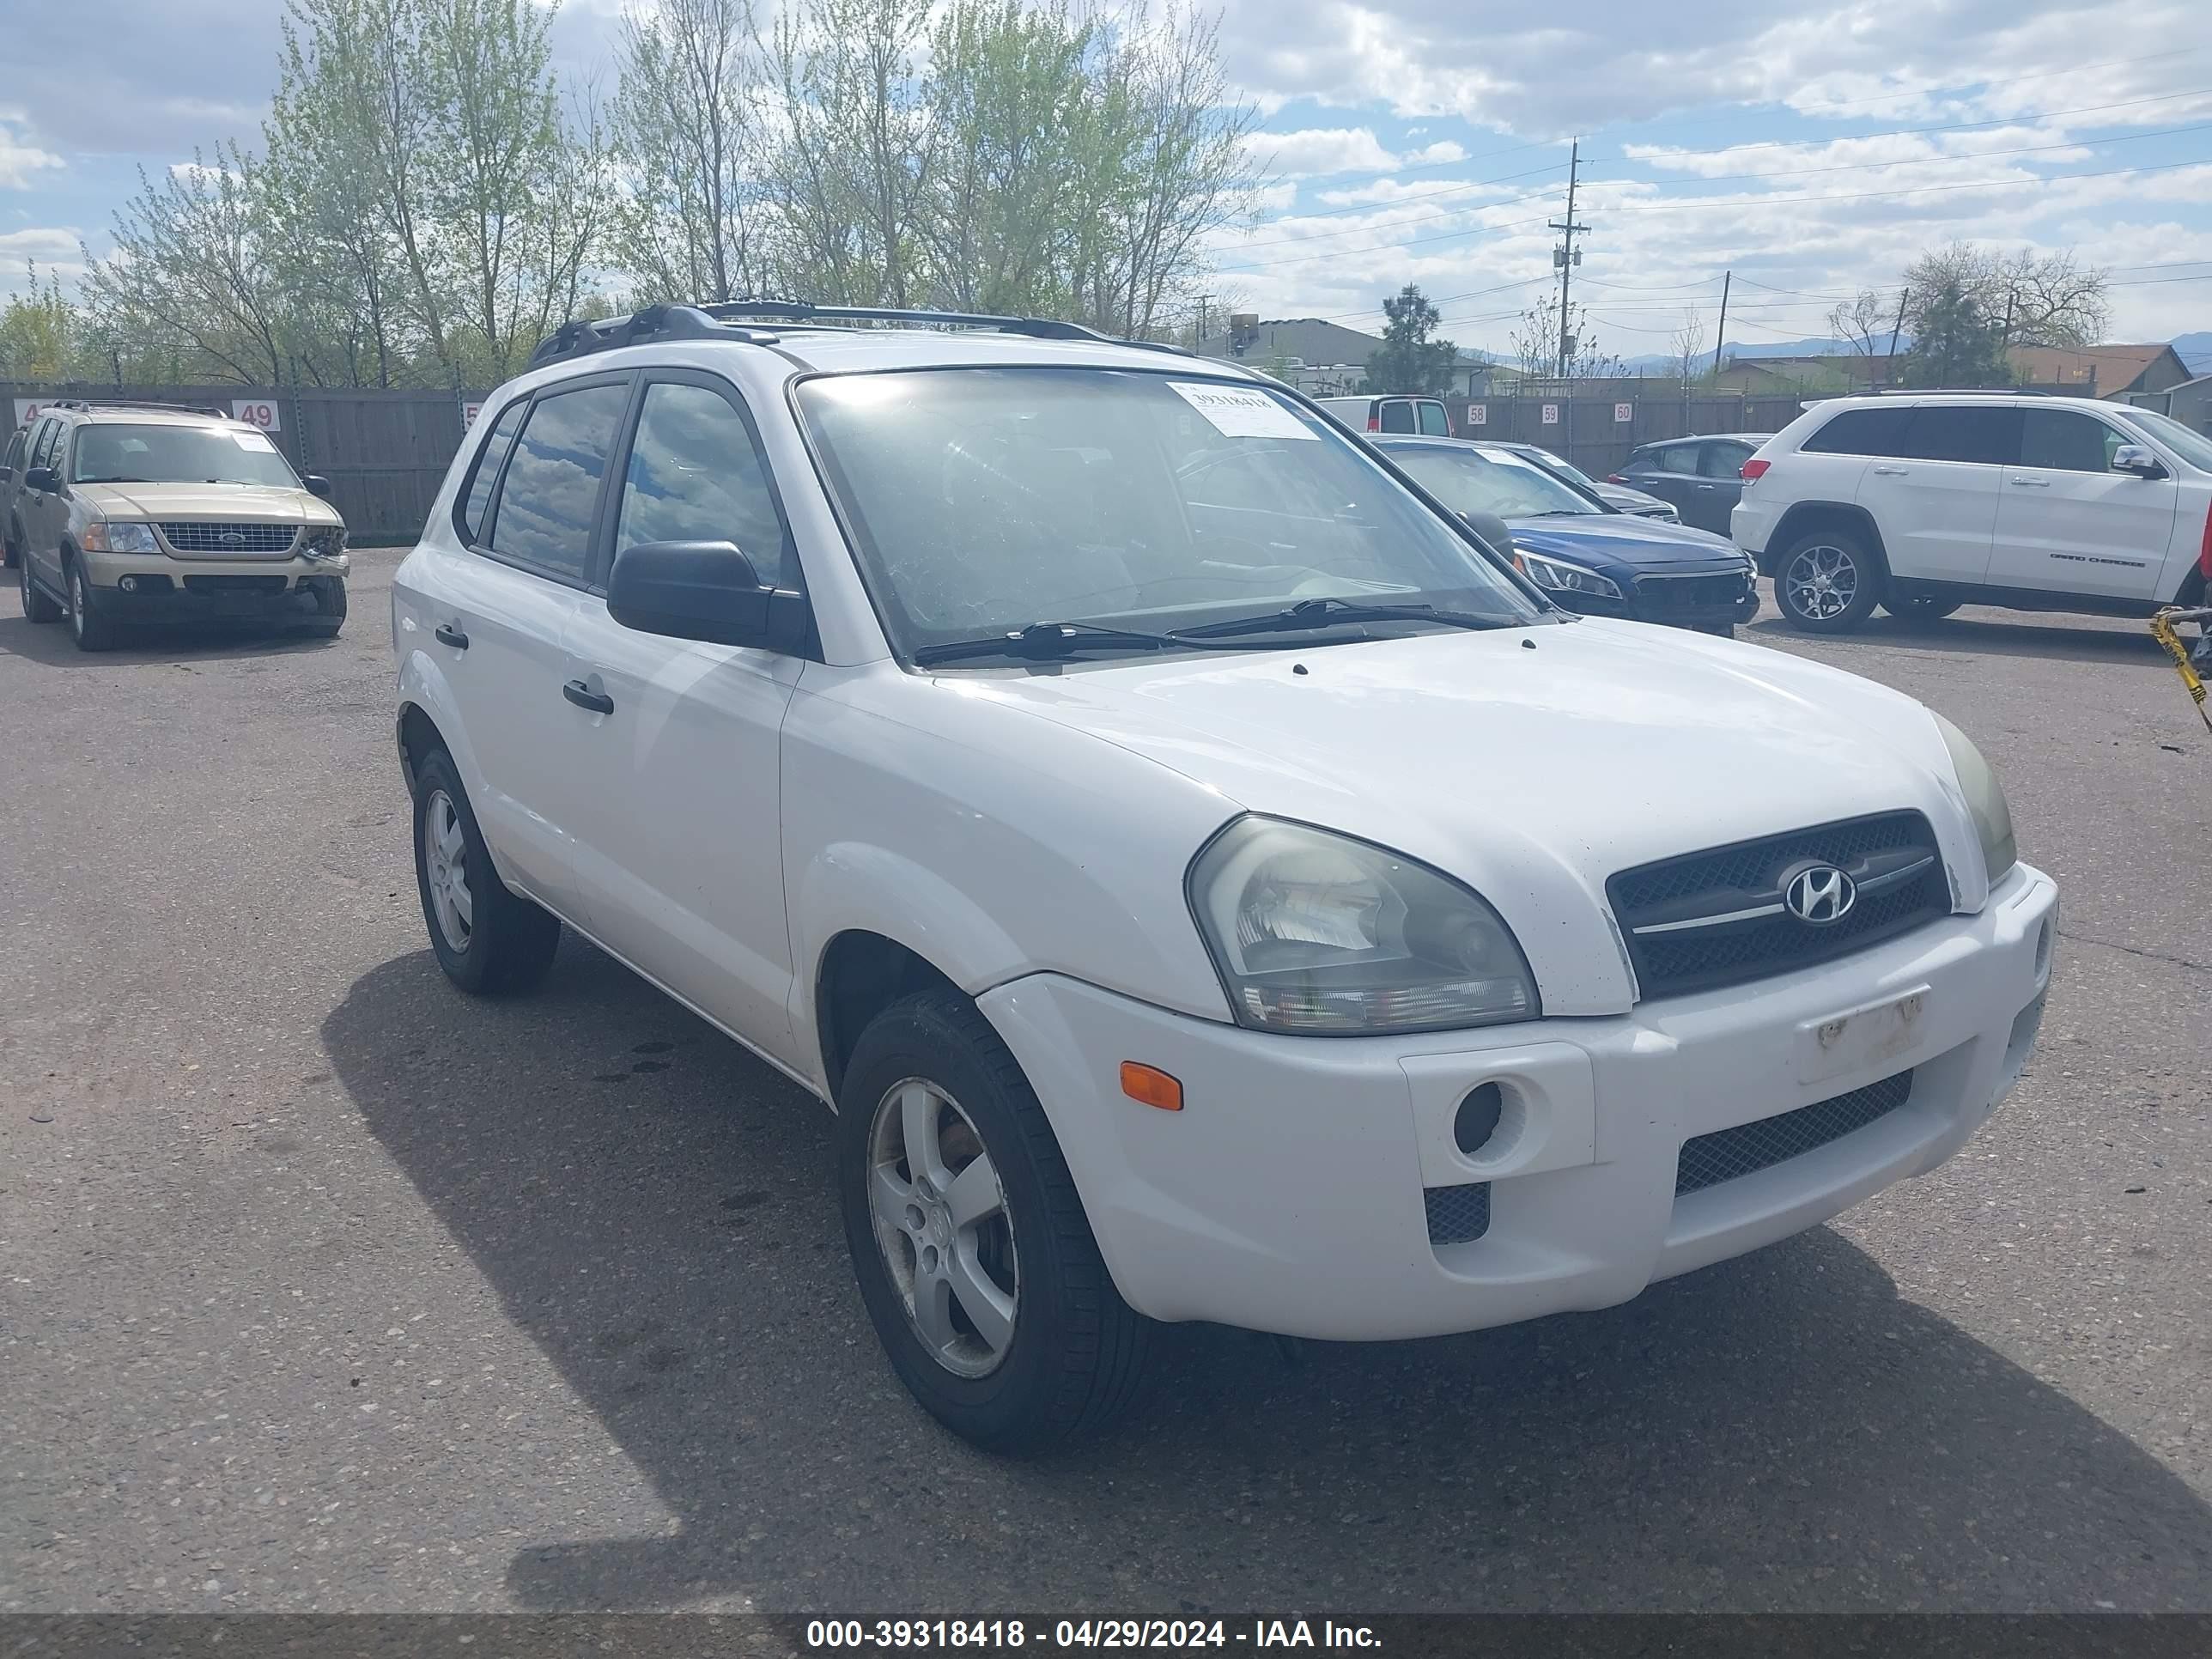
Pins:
x,y
1861,432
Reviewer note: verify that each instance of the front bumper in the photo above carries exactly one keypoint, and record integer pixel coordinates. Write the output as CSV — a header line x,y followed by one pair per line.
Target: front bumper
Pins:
x,y
163,589
1288,1194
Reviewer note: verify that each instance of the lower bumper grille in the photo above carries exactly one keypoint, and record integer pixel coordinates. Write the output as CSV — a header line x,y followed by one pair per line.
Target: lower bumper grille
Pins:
x,y
1671,593
1748,1148
1457,1215
235,583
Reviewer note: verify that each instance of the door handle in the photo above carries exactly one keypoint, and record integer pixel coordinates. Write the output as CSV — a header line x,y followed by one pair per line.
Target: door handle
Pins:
x,y
1709,486
446,634
584,697
2034,484
1889,471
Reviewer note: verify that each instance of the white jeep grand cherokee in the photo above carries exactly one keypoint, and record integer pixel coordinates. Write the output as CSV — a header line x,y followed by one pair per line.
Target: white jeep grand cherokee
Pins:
x,y
1207,883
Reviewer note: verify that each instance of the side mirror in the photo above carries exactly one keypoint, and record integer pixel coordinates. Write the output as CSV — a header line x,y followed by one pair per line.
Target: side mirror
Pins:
x,y
702,590
317,485
2137,459
1493,529
42,477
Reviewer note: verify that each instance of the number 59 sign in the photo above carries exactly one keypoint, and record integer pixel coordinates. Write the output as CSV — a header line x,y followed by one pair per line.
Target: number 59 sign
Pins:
x,y
258,411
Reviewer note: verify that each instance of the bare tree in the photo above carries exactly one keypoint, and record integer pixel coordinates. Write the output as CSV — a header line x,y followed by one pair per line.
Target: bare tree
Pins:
x,y
1687,347
687,121
2034,299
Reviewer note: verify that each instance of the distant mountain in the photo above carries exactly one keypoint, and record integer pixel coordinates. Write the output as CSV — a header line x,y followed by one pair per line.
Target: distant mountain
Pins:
x,y
1661,362
2195,350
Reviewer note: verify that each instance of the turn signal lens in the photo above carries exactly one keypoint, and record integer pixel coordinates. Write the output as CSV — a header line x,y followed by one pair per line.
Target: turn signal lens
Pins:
x,y
1148,1085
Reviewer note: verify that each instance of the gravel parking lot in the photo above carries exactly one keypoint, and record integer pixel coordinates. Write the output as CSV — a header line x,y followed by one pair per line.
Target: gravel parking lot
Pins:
x,y
323,1287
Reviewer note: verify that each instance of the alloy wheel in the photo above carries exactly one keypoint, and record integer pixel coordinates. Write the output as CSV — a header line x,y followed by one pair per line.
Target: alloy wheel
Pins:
x,y
76,601
445,855
941,1220
1821,582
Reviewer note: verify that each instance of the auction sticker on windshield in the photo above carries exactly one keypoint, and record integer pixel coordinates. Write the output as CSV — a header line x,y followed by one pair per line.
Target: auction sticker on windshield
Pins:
x,y
253,440
1236,412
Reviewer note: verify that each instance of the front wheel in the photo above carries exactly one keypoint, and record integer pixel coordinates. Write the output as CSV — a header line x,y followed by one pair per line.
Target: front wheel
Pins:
x,y
330,606
487,939
974,1259
1828,583
91,630
38,604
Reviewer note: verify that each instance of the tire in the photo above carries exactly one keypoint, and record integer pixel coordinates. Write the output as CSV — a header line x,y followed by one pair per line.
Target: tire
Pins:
x,y
39,606
492,942
1920,608
1071,1354
330,607
91,630
1828,581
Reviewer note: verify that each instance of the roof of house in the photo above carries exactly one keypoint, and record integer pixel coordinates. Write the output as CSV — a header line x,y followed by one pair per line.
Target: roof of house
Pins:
x,y
2108,367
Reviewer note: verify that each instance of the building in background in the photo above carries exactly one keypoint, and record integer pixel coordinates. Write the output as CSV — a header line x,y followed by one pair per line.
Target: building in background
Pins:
x,y
2123,373
1326,360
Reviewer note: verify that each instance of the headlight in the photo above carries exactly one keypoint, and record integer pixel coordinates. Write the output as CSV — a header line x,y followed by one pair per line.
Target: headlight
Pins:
x,y
114,537
324,542
1562,577
1985,799
1324,936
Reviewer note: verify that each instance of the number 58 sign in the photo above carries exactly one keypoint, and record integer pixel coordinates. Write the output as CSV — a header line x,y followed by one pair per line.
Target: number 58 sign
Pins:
x,y
258,411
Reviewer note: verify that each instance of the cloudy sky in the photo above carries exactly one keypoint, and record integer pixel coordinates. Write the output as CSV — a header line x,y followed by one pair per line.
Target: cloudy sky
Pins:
x,y
1810,146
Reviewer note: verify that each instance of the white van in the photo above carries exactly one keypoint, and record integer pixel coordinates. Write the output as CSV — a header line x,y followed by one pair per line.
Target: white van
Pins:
x,y
1426,416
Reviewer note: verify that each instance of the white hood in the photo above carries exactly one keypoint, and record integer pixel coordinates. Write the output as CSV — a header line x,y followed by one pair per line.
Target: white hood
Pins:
x,y
1531,763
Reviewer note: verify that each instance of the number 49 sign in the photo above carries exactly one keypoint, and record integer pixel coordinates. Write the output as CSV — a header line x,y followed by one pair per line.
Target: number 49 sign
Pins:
x,y
258,411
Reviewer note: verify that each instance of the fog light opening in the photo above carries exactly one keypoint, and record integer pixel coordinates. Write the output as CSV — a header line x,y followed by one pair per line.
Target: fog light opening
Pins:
x,y
129,584
2043,953
1476,1122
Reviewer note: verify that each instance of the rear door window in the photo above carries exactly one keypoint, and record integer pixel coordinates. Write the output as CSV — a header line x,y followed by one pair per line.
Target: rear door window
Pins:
x,y
2065,440
1397,416
1862,432
1724,460
1434,422
549,500
1675,458
1984,434
42,448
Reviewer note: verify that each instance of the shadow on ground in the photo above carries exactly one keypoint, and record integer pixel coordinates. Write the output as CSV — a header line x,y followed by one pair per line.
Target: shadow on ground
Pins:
x,y
654,1207
144,643
1985,634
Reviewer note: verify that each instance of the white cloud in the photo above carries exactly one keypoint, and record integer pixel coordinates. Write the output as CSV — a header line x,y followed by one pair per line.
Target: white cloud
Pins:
x,y
19,157
54,249
1319,150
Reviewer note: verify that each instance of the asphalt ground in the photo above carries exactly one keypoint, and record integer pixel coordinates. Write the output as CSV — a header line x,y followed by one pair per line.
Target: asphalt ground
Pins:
x,y
323,1287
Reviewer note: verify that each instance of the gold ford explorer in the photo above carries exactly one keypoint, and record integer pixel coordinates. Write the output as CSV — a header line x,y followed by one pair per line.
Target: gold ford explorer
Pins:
x,y
130,512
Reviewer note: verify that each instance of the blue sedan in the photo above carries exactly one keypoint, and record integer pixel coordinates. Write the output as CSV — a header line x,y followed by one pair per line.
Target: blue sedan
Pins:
x,y
1585,555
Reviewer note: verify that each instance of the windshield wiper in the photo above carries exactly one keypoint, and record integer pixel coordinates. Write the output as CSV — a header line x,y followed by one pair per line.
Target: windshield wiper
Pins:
x,y
1324,613
120,477
1050,642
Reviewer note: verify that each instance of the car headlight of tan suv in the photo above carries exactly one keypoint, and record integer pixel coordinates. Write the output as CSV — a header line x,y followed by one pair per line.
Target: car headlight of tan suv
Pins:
x,y
1985,799
112,536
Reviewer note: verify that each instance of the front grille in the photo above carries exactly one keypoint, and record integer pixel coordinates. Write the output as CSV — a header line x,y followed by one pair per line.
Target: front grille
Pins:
x,y
1749,1147
1676,914
196,537
1664,592
1457,1214
235,584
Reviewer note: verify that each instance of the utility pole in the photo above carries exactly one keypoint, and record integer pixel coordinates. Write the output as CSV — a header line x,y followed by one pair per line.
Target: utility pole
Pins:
x,y
1727,278
1889,375
1566,257
1199,343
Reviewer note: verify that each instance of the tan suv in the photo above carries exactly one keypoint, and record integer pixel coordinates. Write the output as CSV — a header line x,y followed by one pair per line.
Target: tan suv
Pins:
x,y
145,512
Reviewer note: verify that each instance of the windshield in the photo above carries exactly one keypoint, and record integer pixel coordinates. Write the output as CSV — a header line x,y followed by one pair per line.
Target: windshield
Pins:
x,y
2193,447
177,454
984,500
1567,470
1469,481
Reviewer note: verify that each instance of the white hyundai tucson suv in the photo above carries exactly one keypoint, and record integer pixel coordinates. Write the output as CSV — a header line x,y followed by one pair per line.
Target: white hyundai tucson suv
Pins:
x,y
1206,880
1921,502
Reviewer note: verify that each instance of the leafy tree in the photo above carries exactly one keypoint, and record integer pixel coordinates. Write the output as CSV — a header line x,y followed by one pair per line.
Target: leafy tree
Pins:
x,y
38,330
1408,361
2033,299
1955,341
688,133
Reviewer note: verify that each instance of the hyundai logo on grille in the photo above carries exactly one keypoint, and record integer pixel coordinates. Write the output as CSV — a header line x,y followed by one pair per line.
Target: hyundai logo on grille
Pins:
x,y
1819,895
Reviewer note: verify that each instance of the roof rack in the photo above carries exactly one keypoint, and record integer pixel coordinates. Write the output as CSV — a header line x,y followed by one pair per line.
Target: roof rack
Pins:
x,y
720,320
89,403
1962,391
